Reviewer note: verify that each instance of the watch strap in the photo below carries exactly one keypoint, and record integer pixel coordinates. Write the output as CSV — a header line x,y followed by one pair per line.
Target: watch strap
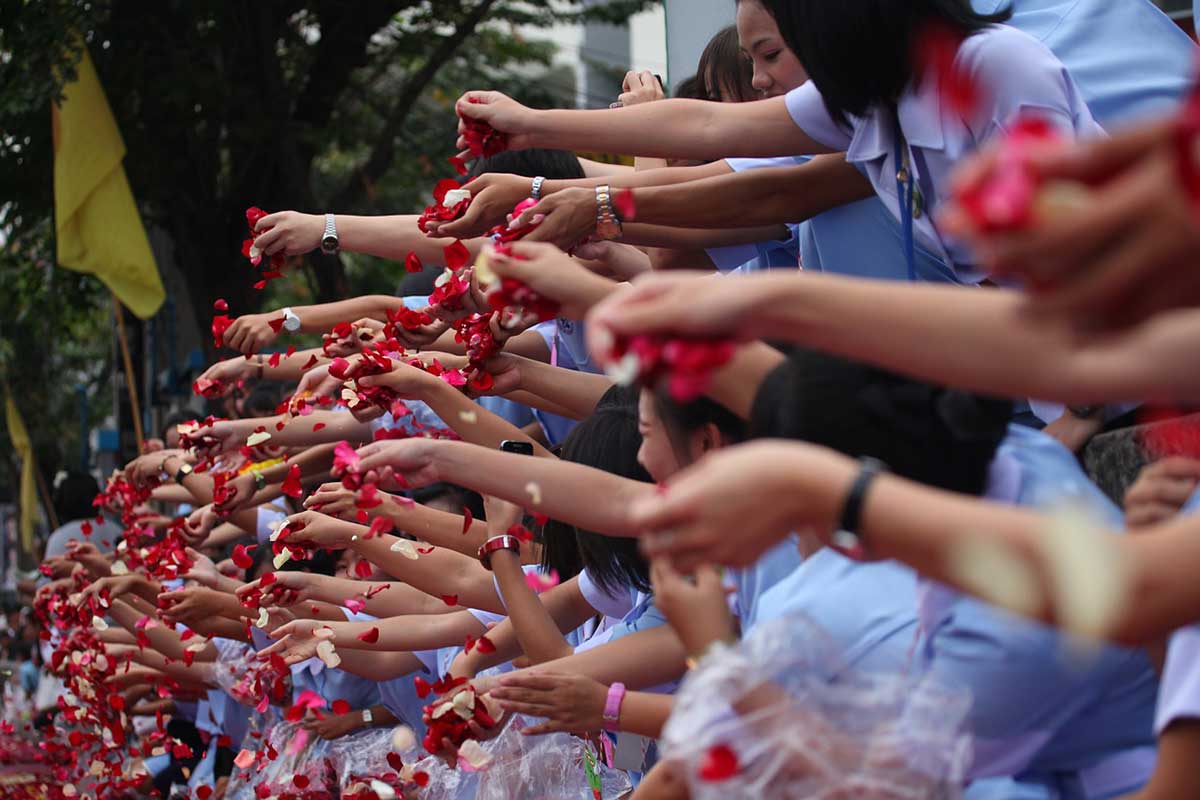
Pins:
x,y
536,191
367,717
607,224
330,233
847,537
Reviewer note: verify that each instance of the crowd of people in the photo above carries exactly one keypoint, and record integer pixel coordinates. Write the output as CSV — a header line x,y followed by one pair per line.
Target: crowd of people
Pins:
x,y
747,471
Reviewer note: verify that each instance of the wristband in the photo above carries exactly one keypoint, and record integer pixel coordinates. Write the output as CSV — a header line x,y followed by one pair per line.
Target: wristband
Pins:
x,y
847,538
612,707
183,472
536,191
495,543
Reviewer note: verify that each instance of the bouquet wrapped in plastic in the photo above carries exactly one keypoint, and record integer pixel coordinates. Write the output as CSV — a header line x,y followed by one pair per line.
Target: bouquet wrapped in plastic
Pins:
x,y
778,716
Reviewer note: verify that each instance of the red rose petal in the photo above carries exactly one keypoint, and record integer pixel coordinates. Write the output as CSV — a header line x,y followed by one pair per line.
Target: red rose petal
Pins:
x,y
369,636
720,763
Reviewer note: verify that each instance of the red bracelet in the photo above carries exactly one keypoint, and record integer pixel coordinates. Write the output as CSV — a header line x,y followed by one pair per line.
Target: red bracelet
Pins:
x,y
495,543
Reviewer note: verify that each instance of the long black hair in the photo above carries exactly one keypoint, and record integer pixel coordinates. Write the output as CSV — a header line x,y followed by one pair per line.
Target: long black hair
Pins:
x,y
941,437
608,440
859,53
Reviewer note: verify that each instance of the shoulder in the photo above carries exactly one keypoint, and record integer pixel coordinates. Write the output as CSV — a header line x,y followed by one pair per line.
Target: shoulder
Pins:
x,y
1002,42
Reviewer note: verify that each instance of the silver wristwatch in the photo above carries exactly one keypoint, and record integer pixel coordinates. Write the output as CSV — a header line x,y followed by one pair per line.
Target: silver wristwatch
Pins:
x,y
329,242
536,192
607,224
291,322
367,717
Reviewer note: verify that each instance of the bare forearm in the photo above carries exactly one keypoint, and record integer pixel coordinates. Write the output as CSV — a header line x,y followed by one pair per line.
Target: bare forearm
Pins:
x,y
574,391
644,713
440,573
392,237
536,631
625,659
755,197
549,486
678,128
439,528
980,339
629,179
473,422
699,238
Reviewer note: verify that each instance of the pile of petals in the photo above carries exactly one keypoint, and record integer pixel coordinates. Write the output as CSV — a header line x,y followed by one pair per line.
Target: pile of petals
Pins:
x,y
450,201
276,262
161,558
511,296
196,436
372,361
1012,195
482,139
88,738
686,365
405,319
450,718
208,387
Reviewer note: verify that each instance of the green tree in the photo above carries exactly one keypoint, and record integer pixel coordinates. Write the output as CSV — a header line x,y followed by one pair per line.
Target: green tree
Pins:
x,y
223,104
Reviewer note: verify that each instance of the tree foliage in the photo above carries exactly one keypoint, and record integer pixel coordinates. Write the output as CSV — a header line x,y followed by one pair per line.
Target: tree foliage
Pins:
x,y
305,104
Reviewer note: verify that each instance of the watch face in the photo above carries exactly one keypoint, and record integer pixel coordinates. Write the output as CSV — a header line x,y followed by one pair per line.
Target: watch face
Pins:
x,y
329,244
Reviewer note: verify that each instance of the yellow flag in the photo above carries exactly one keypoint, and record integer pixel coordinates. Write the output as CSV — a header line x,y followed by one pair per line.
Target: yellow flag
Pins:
x,y
24,448
99,229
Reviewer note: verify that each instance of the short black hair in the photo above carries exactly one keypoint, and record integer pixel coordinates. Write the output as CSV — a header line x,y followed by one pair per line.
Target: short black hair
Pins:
x,y
557,165
73,496
607,440
264,399
725,68
859,53
941,437
682,419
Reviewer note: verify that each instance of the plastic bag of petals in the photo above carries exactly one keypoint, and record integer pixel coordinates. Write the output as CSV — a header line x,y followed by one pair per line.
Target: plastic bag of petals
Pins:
x,y
301,769
363,757
766,719
541,766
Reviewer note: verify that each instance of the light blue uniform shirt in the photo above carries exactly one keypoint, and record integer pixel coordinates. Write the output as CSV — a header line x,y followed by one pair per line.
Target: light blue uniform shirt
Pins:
x,y
1069,726
1127,57
1179,695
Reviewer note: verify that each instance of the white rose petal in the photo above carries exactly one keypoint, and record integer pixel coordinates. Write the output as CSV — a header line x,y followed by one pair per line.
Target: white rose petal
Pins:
x,y
263,618
991,570
473,753
99,624
626,370
469,417
281,559
403,739
119,568
382,790
535,493
327,654
257,438
455,196
405,548
1089,579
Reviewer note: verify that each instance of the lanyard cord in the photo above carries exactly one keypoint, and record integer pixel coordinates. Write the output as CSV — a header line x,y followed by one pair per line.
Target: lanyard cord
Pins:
x,y
905,195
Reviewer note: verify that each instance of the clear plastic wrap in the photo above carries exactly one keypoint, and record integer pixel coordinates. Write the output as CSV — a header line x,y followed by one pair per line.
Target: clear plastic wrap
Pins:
x,y
361,756
779,717
310,763
548,766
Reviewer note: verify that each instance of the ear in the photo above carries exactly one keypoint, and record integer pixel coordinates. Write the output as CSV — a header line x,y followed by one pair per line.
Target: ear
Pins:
x,y
706,439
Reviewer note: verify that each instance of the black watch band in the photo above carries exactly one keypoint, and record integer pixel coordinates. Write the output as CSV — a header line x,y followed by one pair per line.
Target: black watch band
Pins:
x,y
847,537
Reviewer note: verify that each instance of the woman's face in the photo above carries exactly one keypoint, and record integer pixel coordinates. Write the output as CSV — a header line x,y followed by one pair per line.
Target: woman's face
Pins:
x,y
776,69
656,454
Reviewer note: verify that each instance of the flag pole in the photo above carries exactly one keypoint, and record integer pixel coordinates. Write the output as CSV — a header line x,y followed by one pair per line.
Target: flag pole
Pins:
x,y
135,406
